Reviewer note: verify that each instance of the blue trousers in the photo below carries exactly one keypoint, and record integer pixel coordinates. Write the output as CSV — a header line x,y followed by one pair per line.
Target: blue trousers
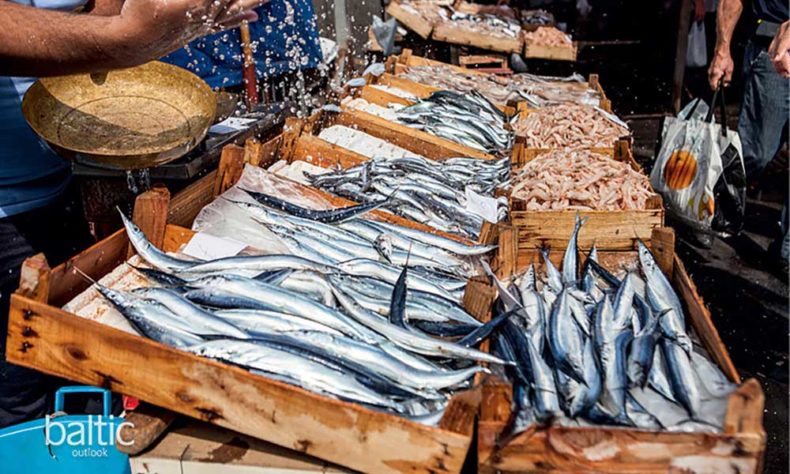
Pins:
x,y
763,122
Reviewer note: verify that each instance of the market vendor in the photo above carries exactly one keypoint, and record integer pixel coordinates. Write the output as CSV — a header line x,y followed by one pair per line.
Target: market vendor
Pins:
x,y
41,38
763,121
290,46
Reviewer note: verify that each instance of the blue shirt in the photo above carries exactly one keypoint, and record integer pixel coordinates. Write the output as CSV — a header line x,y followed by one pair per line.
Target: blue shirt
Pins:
x,y
31,175
287,40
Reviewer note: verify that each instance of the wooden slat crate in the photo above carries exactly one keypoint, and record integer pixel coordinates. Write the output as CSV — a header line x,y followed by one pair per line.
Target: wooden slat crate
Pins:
x,y
46,338
416,141
523,153
607,230
423,91
738,449
315,151
555,53
417,23
449,32
397,64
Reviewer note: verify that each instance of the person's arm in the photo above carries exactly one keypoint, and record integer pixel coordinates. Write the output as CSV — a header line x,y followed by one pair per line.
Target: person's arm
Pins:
x,y
779,50
726,19
38,42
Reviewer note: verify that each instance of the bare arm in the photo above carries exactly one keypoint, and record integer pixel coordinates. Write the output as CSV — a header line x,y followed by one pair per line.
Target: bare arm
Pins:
x,y
36,42
726,18
39,42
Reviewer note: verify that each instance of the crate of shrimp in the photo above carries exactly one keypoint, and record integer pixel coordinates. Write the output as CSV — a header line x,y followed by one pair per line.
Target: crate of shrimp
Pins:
x,y
548,42
616,367
284,313
566,125
546,195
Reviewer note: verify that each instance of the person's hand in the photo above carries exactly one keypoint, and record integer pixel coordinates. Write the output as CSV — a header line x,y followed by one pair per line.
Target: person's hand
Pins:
x,y
699,10
153,28
778,50
721,67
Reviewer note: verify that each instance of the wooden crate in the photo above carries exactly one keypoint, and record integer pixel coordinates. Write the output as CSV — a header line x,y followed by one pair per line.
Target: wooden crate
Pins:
x,y
424,91
522,153
415,22
595,84
449,32
738,449
44,337
555,53
607,230
397,64
416,141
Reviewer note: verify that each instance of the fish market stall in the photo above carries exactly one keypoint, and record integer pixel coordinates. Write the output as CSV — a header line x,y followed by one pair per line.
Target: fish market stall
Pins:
x,y
713,422
60,324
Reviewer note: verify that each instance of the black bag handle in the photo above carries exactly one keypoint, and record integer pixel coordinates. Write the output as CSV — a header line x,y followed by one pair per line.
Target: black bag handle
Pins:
x,y
718,97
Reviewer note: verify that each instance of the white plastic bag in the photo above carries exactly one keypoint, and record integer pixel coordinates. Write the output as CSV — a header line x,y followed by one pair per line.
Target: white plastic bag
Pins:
x,y
697,48
689,167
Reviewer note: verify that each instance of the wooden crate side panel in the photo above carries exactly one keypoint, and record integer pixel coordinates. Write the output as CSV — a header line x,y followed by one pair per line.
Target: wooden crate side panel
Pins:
x,y
95,261
380,97
616,230
416,23
617,450
450,33
557,53
61,344
415,88
320,152
417,141
699,318
186,205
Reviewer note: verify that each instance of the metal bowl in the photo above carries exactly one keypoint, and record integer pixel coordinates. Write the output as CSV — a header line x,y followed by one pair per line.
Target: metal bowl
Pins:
x,y
129,119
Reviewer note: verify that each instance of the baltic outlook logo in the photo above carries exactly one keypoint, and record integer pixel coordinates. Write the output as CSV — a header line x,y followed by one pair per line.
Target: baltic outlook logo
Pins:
x,y
88,439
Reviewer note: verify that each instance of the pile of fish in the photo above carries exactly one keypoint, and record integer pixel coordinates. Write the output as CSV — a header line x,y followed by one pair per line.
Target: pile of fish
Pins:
x,y
544,90
570,125
548,36
536,17
356,330
582,180
469,119
590,347
426,191
490,25
537,90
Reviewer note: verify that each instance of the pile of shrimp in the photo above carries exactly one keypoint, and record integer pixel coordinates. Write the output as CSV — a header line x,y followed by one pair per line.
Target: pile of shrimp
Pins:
x,y
569,125
581,180
548,36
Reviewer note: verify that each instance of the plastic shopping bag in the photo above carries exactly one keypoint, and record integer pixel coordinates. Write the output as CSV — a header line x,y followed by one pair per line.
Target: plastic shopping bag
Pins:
x,y
699,170
697,48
